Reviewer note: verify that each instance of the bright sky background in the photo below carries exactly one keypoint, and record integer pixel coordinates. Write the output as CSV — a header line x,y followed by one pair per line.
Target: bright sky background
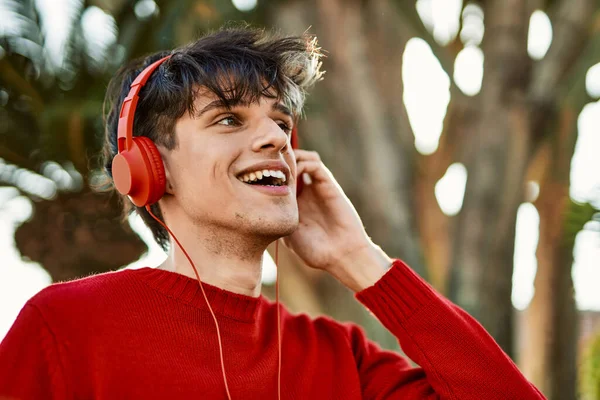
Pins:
x,y
426,96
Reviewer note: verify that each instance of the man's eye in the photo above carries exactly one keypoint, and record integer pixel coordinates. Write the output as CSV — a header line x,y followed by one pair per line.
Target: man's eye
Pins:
x,y
228,121
285,127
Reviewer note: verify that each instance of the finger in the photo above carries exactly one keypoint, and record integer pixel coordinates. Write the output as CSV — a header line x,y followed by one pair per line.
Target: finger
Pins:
x,y
306,155
315,169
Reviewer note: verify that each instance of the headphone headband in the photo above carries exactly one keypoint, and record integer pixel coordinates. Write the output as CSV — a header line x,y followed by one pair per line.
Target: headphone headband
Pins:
x,y
126,117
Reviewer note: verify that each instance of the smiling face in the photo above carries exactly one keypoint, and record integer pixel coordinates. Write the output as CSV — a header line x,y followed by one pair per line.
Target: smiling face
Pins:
x,y
233,168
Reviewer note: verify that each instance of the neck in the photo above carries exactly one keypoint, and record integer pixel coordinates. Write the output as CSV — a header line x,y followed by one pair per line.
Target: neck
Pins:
x,y
224,259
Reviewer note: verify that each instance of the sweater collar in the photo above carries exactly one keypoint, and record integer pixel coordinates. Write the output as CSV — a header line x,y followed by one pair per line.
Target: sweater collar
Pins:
x,y
187,290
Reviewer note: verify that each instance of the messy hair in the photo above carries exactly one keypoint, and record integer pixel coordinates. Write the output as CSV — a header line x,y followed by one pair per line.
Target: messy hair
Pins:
x,y
238,65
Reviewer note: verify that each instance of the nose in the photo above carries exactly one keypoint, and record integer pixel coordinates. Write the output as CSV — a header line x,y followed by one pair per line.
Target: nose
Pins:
x,y
269,136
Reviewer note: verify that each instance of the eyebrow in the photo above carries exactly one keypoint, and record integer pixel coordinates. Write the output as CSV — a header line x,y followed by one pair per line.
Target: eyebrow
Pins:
x,y
216,104
282,109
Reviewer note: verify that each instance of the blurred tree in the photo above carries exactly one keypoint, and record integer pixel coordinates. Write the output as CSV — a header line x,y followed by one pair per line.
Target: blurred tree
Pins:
x,y
590,370
524,115
521,127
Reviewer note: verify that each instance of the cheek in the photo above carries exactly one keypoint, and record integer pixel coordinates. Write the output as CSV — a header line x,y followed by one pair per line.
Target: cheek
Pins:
x,y
203,176
189,175
217,173
207,173
200,165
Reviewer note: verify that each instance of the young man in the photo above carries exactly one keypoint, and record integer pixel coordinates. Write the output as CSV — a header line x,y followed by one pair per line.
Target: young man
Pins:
x,y
221,112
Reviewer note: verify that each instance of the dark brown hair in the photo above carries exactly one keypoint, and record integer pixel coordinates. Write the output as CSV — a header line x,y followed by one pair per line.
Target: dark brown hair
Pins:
x,y
236,64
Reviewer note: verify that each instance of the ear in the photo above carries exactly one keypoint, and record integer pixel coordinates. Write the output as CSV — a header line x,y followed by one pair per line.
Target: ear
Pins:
x,y
169,186
164,155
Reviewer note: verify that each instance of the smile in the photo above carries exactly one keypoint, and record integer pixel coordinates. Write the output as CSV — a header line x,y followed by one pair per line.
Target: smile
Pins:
x,y
264,177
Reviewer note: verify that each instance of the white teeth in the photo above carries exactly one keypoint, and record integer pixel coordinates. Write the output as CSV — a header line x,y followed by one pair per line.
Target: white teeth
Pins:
x,y
256,175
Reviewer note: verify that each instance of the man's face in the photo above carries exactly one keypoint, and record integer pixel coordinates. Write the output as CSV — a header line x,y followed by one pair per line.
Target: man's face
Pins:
x,y
215,171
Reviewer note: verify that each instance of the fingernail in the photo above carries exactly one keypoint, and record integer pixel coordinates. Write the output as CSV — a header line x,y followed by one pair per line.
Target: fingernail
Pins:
x,y
306,179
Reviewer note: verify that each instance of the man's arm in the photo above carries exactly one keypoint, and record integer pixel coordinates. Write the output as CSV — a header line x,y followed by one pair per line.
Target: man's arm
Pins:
x,y
29,364
458,358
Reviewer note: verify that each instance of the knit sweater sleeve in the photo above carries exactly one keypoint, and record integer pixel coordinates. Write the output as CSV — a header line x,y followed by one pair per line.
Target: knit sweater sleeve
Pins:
x,y
30,367
458,359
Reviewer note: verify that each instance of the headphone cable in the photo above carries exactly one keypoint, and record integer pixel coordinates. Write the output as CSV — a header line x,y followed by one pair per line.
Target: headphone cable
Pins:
x,y
214,316
203,293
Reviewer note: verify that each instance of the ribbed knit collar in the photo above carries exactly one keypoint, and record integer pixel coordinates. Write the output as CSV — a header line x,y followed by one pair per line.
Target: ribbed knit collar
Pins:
x,y
185,289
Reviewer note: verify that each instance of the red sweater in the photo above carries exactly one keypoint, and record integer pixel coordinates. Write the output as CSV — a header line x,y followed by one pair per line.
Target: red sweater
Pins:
x,y
147,334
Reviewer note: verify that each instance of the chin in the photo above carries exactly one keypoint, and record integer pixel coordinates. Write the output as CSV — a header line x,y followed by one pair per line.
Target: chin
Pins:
x,y
275,228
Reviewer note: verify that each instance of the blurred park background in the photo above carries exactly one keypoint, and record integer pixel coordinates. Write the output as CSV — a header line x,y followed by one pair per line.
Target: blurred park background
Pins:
x,y
465,133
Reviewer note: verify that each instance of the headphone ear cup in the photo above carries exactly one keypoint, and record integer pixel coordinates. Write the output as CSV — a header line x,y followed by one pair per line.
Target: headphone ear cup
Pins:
x,y
157,180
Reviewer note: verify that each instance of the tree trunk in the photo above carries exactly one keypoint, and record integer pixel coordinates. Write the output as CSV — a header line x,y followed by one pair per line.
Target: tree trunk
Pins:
x,y
484,246
551,325
550,355
435,227
382,165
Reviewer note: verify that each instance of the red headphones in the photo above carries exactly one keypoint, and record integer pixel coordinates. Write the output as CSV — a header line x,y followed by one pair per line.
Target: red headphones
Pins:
x,y
137,169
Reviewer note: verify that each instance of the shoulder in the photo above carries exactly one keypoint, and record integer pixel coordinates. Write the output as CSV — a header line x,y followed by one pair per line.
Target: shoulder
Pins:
x,y
66,307
81,295
321,326
334,340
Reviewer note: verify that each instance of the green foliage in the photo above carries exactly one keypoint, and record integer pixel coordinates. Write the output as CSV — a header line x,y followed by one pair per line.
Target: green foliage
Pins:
x,y
590,370
51,108
578,215
51,129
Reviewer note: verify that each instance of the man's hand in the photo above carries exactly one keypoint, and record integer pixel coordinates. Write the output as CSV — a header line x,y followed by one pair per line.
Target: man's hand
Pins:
x,y
331,235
